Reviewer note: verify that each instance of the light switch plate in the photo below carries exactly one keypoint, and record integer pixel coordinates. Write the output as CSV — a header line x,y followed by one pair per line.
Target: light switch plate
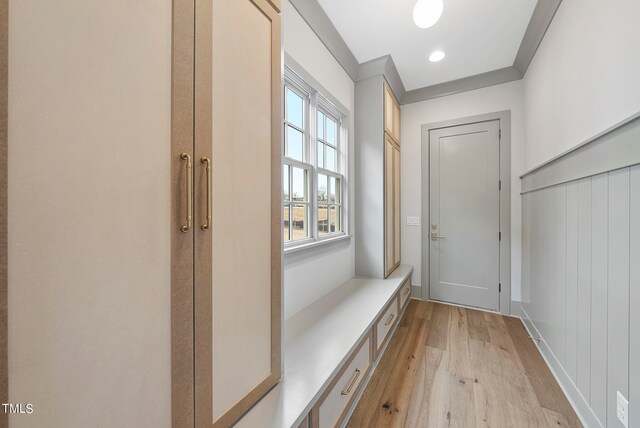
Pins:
x,y
622,410
413,221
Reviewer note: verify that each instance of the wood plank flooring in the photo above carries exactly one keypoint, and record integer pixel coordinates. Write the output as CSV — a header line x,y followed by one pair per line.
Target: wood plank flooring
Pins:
x,y
455,367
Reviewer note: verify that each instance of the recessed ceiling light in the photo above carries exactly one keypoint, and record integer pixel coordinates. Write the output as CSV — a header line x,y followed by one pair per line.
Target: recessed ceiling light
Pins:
x,y
427,12
436,56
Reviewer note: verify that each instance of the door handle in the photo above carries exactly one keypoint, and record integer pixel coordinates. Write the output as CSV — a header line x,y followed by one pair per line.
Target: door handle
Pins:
x,y
207,162
187,227
435,236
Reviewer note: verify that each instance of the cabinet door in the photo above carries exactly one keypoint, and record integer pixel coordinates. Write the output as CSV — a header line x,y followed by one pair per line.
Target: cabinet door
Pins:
x,y
389,107
90,212
396,122
396,206
237,293
391,114
388,206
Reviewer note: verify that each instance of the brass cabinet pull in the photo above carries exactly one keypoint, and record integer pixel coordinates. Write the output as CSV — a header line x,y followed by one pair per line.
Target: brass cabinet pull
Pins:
x,y
207,162
187,227
353,381
406,290
390,319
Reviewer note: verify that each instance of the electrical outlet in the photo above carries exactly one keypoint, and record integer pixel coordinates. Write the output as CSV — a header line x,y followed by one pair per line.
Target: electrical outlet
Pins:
x,y
622,410
413,221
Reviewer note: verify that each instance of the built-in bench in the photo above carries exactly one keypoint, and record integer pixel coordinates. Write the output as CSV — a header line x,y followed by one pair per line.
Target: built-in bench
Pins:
x,y
330,350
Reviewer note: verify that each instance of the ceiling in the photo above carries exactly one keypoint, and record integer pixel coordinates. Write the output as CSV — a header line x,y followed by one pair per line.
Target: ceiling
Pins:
x,y
477,36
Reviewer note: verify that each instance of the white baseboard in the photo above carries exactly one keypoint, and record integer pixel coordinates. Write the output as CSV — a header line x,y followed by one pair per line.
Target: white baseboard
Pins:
x,y
416,292
577,401
516,309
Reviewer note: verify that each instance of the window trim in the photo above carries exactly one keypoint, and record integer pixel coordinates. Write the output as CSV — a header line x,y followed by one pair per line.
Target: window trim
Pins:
x,y
314,102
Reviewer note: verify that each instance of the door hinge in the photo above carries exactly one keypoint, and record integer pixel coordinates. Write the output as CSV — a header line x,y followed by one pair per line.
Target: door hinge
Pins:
x,y
499,236
500,134
499,287
500,185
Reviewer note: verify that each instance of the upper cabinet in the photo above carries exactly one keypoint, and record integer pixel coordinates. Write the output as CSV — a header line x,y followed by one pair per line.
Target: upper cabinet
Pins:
x,y
378,219
391,114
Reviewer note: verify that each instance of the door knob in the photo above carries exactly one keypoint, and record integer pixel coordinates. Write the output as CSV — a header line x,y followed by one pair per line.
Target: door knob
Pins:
x,y
435,236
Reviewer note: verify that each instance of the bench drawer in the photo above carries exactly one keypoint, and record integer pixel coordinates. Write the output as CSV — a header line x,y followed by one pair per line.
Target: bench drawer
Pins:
x,y
405,293
386,323
331,409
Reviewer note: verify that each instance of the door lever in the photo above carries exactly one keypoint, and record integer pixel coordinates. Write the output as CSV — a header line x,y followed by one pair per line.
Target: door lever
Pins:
x,y
435,236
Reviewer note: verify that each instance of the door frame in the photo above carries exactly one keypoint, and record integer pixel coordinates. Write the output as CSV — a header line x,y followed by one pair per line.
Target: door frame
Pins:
x,y
504,118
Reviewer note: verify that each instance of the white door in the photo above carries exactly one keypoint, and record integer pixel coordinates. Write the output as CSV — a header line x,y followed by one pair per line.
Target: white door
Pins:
x,y
465,214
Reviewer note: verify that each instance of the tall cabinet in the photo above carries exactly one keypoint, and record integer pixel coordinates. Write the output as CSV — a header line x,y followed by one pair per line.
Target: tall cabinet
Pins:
x,y
391,181
141,151
238,215
378,178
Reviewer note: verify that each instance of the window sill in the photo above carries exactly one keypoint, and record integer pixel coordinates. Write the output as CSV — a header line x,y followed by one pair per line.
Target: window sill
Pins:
x,y
305,246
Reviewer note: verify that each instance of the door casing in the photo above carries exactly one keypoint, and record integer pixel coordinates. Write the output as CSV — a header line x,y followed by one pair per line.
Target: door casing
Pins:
x,y
505,200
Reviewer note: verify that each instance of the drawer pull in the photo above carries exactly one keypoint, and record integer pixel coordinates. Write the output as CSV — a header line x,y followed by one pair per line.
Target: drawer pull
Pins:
x,y
390,319
356,375
406,290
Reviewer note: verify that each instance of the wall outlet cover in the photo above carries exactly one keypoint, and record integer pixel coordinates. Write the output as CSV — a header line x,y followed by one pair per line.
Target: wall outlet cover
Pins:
x,y
622,410
413,221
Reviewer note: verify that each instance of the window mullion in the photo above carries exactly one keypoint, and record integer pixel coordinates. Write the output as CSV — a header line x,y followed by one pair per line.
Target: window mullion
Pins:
x,y
290,204
313,205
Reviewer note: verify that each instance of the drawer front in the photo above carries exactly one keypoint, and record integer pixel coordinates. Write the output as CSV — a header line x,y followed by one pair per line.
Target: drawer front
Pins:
x,y
331,409
405,293
386,323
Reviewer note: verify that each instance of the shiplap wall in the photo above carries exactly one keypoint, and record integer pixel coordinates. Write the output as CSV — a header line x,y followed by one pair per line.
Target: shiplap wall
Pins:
x,y
581,287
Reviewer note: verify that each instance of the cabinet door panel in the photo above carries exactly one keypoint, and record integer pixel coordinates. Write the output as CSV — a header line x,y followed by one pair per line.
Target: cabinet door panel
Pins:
x,y
396,123
388,206
237,315
396,206
90,212
389,106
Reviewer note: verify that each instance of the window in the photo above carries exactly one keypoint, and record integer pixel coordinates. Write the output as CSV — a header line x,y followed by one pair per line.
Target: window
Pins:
x,y
313,166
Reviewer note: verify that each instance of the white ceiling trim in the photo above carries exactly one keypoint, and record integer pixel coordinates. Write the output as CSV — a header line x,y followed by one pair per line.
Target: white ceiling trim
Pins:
x,y
315,16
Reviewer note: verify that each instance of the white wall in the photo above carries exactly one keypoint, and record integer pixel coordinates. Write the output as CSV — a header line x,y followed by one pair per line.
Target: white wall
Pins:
x,y
508,96
584,78
310,275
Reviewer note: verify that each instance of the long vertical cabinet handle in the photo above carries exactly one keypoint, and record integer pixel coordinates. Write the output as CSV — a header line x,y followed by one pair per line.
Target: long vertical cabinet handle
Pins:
x,y
187,227
207,162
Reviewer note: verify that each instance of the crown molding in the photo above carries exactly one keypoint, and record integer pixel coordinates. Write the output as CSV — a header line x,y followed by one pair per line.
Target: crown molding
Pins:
x,y
315,16
540,20
477,81
317,19
386,67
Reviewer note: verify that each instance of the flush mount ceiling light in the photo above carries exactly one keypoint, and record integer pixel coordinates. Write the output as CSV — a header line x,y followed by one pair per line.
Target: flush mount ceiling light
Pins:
x,y
427,12
436,56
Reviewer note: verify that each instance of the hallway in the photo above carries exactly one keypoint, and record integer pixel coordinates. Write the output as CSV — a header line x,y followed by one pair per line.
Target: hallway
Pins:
x,y
477,370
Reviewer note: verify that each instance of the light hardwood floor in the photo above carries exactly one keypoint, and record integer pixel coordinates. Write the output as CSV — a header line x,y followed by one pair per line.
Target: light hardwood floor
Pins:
x,y
454,367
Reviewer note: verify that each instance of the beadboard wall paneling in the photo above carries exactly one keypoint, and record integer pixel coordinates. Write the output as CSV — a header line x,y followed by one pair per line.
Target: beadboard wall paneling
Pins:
x,y
581,279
